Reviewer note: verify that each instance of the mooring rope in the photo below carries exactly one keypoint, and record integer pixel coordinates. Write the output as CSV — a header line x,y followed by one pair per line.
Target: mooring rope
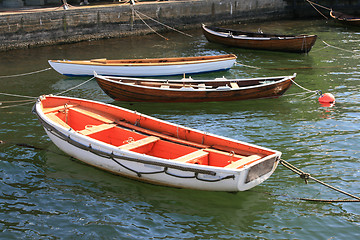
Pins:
x,y
237,63
134,11
24,74
342,49
163,24
307,176
312,4
60,93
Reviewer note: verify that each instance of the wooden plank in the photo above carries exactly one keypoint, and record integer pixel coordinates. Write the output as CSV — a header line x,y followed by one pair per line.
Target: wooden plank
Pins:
x,y
56,109
93,115
224,152
242,161
191,156
97,128
161,135
56,119
139,143
234,85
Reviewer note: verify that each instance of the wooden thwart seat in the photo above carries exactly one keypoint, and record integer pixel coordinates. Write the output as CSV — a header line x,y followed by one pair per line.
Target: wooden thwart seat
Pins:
x,y
191,156
56,119
242,161
139,143
93,115
98,128
56,109
234,85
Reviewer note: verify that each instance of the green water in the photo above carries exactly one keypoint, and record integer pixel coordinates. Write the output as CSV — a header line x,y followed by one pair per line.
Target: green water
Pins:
x,y
47,195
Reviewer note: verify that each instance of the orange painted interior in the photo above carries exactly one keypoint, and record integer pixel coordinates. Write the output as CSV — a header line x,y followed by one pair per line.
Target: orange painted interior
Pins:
x,y
226,151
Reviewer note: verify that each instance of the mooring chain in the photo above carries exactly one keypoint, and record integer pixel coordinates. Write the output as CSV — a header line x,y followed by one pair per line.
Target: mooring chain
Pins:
x,y
307,176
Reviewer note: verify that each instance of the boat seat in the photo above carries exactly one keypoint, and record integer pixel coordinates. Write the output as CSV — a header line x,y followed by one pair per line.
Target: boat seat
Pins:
x,y
139,143
56,109
224,153
56,119
234,85
201,86
165,86
191,156
92,114
243,161
90,129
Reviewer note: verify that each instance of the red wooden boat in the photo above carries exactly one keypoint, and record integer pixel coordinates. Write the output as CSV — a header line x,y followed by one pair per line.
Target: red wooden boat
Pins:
x,y
262,41
190,90
144,148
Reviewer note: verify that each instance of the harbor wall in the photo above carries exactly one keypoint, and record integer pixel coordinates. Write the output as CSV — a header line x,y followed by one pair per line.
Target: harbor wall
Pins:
x,y
23,29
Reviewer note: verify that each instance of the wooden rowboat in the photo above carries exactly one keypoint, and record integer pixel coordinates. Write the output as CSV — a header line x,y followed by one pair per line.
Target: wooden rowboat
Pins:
x,y
260,41
144,148
345,19
144,67
189,90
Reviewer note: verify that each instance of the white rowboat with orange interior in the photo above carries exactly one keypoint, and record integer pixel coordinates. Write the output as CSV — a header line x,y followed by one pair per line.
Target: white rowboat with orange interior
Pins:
x,y
144,67
147,149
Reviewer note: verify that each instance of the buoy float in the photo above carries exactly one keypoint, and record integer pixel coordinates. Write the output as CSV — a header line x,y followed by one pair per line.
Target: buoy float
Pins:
x,y
327,99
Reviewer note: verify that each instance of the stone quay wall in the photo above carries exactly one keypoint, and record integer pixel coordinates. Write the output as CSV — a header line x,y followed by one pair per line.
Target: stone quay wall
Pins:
x,y
48,26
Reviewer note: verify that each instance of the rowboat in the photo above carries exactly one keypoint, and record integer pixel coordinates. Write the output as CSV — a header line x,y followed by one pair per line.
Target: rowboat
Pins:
x,y
144,67
345,19
148,149
190,90
261,41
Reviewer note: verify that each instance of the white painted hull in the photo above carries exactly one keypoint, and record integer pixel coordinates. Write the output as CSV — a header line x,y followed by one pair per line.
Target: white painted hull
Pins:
x,y
71,69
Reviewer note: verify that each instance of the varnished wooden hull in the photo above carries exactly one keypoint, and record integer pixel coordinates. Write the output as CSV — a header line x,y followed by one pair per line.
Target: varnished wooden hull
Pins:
x,y
283,43
121,91
345,19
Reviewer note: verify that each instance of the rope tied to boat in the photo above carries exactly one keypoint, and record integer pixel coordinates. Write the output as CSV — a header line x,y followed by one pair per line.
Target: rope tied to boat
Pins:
x,y
72,88
16,103
313,5
307,177
25,74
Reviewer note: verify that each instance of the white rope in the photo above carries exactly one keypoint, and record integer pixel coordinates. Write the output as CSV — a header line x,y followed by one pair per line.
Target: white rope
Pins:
x,y
247,65
15,95
350,51
163,24
134,11
24,74
314,91
60,93
16,105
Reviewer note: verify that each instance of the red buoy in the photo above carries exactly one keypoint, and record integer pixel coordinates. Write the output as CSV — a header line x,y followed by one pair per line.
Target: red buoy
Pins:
x,y
327,98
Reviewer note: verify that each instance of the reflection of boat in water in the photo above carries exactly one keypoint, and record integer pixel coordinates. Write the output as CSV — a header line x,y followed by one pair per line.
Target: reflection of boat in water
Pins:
x,y
141,147
190,90
262,41
345,18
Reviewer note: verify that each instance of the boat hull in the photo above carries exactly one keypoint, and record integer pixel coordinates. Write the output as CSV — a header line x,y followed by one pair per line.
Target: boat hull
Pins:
x,y
152,169
87,68
295,44
345,19
133,93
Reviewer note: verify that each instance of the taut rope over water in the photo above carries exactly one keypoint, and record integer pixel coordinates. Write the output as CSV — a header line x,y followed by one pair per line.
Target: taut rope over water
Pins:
x,y
24,74
307,176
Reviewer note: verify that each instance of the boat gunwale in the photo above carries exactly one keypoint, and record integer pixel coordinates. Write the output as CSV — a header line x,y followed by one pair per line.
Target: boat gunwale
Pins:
x,y
153,61
187,80
265,36
141,86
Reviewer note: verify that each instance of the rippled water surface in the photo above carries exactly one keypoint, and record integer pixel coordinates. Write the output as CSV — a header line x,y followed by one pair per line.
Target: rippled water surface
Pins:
x,y
48,195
